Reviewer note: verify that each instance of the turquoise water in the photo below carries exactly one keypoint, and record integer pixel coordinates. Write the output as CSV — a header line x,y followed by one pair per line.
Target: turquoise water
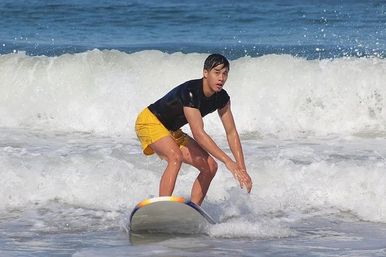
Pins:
x,y
307,28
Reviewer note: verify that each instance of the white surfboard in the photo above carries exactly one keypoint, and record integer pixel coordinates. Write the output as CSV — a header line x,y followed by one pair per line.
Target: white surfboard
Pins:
x,y
168,214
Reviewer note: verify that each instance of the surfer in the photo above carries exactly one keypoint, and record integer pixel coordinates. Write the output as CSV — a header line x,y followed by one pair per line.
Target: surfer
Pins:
x,y
158,128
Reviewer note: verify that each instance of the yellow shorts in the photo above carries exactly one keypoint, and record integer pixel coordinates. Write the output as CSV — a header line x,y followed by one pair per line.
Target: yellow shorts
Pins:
x,y
149,130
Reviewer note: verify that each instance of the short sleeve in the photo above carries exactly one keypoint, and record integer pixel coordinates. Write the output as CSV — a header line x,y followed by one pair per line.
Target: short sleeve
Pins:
x,y
222,99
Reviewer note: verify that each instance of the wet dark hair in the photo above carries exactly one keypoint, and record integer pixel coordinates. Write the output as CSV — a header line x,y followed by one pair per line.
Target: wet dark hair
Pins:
x,y
215,59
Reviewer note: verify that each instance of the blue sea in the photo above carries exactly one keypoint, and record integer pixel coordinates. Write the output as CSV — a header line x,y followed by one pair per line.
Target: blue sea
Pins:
x,y
308,90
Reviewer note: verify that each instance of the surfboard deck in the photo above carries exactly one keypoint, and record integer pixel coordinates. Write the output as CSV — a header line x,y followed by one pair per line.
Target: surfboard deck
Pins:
x,y
168,214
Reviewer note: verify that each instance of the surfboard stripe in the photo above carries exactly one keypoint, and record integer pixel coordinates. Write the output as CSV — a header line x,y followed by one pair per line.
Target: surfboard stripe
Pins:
x,y
200,210
156,199
161,198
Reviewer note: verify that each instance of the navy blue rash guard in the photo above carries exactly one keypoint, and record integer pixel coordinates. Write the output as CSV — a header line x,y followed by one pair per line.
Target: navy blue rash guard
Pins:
x,y
170,108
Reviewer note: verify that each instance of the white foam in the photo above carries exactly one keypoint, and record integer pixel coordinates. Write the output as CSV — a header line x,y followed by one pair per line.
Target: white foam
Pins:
x,y
240,228
292,179
77,170
103,91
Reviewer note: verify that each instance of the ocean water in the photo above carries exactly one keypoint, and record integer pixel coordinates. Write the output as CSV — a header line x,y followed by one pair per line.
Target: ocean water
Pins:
x,y
307,84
